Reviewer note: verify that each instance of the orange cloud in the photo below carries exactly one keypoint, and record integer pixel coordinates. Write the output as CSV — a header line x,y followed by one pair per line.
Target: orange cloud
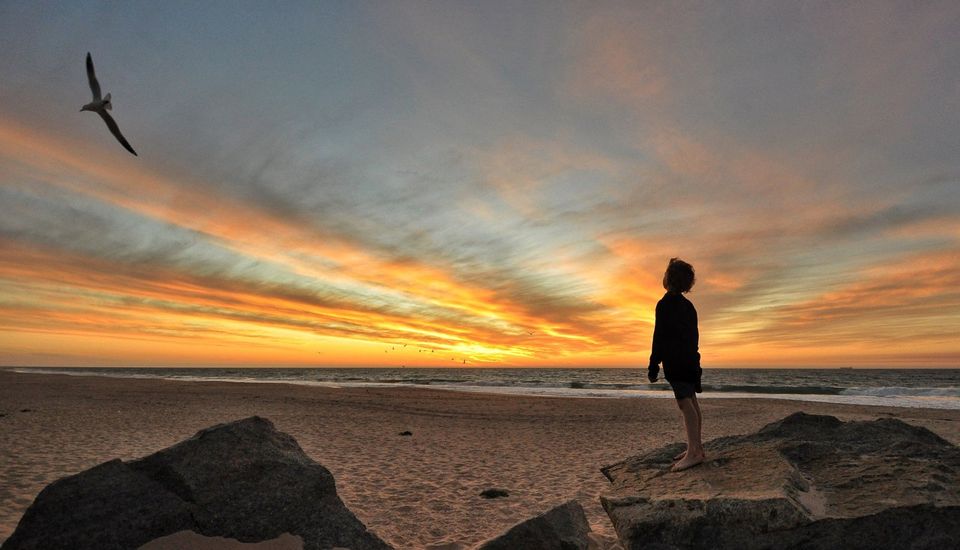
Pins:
x,y
603,316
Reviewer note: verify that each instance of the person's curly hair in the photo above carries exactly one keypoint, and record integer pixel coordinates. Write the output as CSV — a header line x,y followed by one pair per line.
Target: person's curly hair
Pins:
x,y
679,276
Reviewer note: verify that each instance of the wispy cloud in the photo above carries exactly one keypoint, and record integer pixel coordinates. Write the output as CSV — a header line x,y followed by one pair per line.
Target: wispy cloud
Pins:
x,y
503,187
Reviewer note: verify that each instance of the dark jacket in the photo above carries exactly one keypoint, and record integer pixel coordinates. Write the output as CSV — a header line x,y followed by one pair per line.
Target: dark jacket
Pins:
x,y
676,339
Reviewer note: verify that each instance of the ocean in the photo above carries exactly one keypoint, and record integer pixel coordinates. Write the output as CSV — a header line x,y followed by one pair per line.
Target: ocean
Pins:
x,y
924,388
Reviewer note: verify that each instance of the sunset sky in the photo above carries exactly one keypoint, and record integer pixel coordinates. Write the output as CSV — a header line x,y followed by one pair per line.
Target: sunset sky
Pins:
x,y
487,183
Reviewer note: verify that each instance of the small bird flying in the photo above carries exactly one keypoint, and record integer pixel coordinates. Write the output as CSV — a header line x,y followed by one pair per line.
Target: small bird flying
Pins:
x,y
101,105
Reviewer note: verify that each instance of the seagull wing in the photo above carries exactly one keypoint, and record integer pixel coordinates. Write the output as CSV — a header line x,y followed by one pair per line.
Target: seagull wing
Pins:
x,y
92,77
115,130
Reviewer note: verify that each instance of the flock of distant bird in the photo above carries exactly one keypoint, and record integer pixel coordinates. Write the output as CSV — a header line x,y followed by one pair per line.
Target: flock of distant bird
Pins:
x,y
423,350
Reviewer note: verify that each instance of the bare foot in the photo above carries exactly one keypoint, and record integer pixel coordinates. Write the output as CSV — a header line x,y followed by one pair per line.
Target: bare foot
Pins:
x,y
681,455
688,461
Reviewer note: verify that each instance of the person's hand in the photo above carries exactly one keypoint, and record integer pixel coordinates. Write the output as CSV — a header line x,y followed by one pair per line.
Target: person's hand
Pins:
x,y
651,377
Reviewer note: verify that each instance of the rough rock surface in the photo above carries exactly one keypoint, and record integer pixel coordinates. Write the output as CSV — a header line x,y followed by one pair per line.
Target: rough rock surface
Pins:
x,y
562,528
805,481
243,480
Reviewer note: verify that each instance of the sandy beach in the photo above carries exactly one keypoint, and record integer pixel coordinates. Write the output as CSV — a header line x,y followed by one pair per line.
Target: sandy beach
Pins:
x,y
420,491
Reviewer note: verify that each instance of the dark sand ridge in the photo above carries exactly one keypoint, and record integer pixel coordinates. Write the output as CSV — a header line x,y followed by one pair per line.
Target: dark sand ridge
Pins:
x,y
413,491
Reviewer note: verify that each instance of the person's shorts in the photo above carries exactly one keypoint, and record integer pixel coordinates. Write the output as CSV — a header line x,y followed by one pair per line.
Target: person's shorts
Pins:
x,y
683,389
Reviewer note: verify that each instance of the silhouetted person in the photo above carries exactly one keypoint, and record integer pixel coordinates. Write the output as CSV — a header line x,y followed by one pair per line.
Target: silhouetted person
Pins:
x,y
676,341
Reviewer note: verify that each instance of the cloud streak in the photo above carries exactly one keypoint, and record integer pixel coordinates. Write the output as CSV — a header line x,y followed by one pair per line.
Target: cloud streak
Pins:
x,y
500,190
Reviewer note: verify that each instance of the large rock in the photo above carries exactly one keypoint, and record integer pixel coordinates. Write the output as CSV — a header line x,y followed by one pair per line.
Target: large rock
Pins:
x,y
805,481
562,528
243,480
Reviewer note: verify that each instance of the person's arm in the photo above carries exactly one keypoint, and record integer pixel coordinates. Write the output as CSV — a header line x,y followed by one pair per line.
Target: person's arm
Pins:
x,y
696,334
656,353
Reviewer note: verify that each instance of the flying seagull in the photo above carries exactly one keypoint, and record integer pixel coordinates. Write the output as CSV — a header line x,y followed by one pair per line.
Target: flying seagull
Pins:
x,y
101,105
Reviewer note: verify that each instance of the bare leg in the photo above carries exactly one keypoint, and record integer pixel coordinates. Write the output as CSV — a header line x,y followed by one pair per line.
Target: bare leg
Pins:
x,y
696,405
691,422
684,452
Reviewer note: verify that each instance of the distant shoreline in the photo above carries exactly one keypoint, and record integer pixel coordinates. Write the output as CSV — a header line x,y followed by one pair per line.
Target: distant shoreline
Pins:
x,y
556,383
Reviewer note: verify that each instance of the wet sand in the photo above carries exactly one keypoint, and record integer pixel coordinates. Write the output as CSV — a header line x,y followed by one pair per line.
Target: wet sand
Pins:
x,y
414,492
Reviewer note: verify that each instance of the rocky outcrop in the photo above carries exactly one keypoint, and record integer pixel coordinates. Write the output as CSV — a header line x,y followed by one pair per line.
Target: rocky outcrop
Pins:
x,y
805,481
243,480
562,528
